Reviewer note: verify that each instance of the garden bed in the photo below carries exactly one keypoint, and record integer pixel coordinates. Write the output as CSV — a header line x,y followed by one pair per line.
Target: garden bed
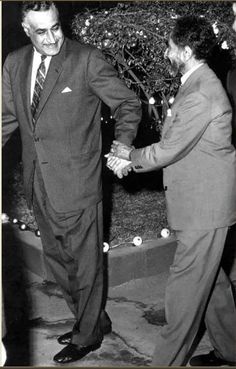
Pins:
x,y
137,212
132,206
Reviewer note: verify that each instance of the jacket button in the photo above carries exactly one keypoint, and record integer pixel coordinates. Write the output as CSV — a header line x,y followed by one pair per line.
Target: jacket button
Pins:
x,y
165,188
36,139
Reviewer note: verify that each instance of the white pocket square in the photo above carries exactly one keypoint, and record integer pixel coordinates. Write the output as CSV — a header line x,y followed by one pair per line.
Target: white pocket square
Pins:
x,y
67,89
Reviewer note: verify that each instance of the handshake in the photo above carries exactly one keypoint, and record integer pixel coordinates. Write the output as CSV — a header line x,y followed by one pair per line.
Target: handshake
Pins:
x,y
118,159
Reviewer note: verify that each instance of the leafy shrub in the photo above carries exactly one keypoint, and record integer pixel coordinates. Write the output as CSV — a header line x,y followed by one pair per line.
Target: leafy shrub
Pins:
x,y
133,37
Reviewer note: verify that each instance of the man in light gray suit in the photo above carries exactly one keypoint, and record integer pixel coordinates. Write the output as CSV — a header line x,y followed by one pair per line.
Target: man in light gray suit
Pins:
x,y
199,165
231,89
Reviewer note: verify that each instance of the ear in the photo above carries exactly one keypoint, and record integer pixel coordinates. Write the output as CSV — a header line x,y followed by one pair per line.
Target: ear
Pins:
x,y
188,53
26,29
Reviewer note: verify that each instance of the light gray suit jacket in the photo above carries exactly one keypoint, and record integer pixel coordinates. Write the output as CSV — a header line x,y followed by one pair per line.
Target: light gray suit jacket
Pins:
x,y
196,153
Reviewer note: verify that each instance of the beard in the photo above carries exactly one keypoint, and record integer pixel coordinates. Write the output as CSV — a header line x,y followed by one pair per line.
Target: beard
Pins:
x,y
175,67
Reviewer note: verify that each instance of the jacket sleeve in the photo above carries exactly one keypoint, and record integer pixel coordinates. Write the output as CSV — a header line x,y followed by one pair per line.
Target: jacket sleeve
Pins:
x,y
124,104
191,120
9,121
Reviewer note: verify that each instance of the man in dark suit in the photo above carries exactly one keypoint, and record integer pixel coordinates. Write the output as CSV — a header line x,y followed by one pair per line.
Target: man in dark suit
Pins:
x,y
199,165
53,91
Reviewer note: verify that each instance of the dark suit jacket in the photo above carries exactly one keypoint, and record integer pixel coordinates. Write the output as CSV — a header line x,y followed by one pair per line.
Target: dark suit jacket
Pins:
x,y
231,88
66,139
196,153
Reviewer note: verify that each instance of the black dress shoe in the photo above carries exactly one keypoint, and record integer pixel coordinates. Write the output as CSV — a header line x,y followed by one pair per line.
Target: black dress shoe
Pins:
x,y
209,360
71,353
65,339
106,327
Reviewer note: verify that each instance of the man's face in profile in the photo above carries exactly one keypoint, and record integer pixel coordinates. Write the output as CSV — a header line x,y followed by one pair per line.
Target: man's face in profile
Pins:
x,y
175,56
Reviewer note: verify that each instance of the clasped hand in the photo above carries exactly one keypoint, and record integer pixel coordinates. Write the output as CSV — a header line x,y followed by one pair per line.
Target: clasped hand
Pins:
x,y
118,159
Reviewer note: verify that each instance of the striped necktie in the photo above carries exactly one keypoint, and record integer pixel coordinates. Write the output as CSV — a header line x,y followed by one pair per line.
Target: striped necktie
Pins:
x,y
38,87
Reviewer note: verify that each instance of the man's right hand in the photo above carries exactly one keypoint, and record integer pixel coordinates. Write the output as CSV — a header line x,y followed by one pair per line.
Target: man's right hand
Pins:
x,y
120,167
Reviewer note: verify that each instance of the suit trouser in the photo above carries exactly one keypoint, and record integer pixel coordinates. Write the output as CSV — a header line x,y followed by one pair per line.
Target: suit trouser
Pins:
x,y
73,248
197,289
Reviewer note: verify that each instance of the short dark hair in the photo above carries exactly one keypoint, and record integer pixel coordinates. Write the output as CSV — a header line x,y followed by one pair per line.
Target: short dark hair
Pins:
x,y
36,6
195,32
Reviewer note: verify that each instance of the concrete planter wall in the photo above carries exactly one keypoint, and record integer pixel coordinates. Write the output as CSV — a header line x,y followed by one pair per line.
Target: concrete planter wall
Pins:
x,y
123,263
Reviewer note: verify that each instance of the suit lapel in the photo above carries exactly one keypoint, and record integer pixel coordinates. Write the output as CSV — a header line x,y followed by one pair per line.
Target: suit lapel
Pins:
x,y
182,93
169,120
54,71
183,89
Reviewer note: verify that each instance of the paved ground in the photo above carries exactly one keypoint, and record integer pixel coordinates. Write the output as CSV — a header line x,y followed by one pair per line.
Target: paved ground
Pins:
x,y
136,310
35,314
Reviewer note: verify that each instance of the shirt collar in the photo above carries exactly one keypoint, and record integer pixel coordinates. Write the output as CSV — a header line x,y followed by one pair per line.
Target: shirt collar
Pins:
x,y
37,56
186,75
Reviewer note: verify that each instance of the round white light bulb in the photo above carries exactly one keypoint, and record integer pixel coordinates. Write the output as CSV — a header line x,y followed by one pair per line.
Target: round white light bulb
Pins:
x,y
106,247
5,218
151,101
165,233
137,241
37,233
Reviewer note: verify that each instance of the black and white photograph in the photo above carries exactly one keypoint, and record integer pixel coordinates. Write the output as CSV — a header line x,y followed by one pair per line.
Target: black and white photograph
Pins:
x,y
118,184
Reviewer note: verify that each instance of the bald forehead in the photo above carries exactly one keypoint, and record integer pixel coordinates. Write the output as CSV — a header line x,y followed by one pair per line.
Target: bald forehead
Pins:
x,y
42,18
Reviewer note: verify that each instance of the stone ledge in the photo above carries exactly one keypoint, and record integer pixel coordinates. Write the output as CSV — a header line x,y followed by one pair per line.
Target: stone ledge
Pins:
x,y
124,263
130,262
